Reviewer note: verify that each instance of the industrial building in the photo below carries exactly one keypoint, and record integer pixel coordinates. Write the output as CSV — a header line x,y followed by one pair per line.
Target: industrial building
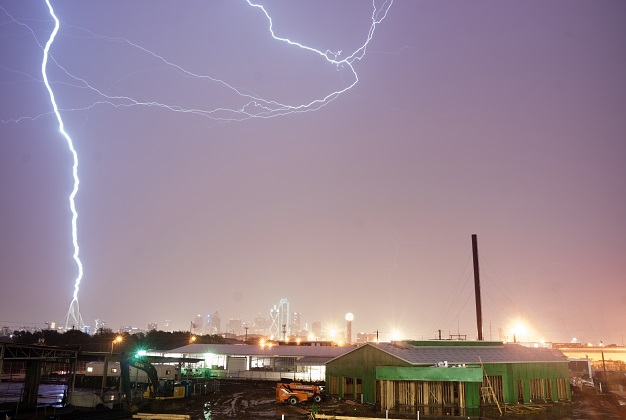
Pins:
x,y
259,362
448,377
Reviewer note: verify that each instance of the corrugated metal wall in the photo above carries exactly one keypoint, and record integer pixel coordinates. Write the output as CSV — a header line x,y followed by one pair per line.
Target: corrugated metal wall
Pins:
x,y
511,383
518,377
360,365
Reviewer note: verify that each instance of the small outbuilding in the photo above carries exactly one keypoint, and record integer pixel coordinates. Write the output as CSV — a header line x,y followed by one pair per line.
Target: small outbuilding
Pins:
x,y
448,377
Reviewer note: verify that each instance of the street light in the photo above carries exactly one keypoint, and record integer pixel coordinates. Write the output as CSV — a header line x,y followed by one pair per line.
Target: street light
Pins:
x,y
519,330
117,340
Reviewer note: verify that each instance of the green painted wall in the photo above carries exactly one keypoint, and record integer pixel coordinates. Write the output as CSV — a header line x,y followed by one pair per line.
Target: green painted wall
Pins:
x,y
370,364
472,395
362,363
429,373
512,372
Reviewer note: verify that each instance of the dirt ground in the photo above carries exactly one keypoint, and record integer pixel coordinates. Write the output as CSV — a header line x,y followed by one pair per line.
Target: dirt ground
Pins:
x,y
248,400
256,400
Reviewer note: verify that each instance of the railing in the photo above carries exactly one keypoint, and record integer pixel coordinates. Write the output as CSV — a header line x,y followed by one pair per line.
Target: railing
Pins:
x,y
264,375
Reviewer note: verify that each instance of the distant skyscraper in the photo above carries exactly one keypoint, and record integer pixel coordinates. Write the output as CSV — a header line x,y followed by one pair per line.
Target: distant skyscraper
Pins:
x,y
167,325
215,323
316,329
295,324
152,326
275,327
260,326
283,318
234,326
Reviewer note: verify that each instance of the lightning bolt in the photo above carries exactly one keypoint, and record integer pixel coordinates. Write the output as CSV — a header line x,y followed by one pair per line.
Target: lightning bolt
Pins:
x,y
251,105
73,314
332,57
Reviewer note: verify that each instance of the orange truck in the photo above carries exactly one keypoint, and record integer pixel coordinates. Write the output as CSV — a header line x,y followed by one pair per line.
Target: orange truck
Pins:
x,y
295,392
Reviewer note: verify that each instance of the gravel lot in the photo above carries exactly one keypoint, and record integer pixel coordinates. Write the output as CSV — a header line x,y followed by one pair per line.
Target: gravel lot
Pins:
x,y
256,400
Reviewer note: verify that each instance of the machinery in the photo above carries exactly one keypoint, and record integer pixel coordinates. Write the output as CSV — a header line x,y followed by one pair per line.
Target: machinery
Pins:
x,y
159,389
295,392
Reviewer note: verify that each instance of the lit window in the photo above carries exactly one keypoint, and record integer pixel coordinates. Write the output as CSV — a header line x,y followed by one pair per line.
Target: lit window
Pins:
x,y
113,370
89,369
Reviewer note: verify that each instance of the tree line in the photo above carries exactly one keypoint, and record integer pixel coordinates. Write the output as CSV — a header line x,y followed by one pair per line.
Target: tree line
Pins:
x,y
105,340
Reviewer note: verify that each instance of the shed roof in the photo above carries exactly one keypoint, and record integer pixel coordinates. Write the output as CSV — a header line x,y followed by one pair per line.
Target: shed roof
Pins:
x,y
313,360
327,352
507,353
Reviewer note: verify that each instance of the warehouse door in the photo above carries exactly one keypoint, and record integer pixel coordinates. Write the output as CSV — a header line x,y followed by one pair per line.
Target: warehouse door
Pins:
x,y
236,366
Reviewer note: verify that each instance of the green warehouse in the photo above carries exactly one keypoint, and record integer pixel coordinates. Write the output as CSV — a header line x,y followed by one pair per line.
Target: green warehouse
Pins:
x,y
448,377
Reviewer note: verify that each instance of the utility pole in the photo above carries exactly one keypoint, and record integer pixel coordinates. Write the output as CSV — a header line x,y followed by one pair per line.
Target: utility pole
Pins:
x,y
604,378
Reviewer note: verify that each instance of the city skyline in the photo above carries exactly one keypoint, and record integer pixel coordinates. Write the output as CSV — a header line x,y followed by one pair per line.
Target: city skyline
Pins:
x,y
224,165
334,332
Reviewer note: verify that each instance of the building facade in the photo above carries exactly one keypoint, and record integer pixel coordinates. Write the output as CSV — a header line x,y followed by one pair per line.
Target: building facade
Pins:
x,y
272,362
448,378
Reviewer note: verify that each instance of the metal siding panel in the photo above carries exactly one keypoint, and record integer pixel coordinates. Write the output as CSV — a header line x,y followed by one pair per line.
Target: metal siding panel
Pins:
x,y
400,373
361,363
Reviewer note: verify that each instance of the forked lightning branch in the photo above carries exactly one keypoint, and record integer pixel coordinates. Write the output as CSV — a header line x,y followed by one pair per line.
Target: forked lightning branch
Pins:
x,y
250,106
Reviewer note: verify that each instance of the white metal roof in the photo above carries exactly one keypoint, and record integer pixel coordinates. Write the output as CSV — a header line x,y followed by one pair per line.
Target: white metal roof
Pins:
x,y
256,350
412,354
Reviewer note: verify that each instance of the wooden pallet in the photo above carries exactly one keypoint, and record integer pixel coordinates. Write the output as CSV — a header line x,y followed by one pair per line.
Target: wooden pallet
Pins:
x,y
150,416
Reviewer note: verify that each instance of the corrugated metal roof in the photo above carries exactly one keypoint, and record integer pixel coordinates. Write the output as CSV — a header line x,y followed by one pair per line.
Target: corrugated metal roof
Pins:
x,y
507,353
328,352
313,360
416,355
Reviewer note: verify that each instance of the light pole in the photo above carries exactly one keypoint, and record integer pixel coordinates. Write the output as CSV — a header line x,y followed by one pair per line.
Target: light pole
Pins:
x,y
117,340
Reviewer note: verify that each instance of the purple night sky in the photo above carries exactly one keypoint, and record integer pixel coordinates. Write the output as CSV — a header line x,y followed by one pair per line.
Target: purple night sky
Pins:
x,y
503,119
